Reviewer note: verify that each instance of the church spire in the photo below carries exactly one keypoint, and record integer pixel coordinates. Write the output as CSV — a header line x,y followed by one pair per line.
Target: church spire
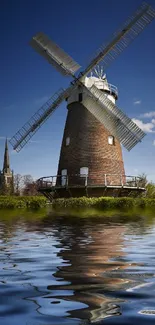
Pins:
x,y
6,163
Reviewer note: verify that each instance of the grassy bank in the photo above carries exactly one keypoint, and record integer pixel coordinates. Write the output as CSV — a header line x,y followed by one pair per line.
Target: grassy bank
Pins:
x,y
104,203
83,203
13,202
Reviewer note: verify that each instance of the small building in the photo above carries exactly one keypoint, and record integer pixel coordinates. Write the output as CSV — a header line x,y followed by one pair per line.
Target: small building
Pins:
x,y
6,174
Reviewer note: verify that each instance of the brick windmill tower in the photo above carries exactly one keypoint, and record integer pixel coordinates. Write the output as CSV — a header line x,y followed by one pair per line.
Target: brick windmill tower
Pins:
x,y
95,127
88,148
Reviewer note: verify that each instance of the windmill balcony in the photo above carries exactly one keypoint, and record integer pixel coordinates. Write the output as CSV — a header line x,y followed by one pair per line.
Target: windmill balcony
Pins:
x,y
59,186
109,88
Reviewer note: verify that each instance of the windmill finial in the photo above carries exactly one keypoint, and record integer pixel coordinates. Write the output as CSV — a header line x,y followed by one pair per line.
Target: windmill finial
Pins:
x,y
99,72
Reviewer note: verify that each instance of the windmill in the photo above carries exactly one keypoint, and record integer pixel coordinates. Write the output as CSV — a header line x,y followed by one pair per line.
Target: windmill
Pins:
x,y
95,127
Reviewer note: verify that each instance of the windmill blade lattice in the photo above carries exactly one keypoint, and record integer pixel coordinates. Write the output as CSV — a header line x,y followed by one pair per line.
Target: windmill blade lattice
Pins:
x,y
54,54
120,40
124,129
121,126
19,140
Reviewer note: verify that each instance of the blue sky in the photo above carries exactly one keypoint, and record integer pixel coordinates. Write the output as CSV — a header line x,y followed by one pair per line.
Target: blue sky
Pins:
x,y
27,80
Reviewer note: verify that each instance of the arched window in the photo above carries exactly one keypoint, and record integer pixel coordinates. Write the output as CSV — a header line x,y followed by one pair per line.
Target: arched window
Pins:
x,y
64,177
67,141
84,171
80,97
111,140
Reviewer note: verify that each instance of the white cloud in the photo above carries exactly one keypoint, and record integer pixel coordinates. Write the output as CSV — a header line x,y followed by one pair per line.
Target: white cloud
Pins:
x,y
153,121
146,127
137,102
154,143
148,114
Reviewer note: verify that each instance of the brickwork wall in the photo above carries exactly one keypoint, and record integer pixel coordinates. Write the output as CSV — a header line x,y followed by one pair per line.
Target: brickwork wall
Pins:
x,y
89,147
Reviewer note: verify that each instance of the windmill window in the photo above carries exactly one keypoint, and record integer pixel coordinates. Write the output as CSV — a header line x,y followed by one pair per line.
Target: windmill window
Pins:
x,y
110,140
83,171
63,177
80,97
67,141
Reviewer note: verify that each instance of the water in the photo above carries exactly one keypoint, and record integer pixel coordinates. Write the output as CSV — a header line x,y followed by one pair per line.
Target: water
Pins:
x,y
76,271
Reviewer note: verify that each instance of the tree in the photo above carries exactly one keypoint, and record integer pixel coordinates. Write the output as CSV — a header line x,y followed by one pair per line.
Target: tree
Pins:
x,y
12,185
4,189
24,185
30,186
142,181
18,184
150,190
27,179
149,186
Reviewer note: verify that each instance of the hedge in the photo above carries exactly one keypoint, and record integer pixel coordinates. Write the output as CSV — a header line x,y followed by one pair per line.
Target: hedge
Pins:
x,y
32,202
104,203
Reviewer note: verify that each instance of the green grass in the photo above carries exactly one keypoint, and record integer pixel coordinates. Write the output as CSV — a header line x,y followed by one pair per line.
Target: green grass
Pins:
x,y
104,203
128,208
13,202
87,206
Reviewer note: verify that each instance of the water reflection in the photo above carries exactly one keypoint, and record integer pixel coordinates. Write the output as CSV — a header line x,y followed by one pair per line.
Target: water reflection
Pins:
x,y
73,271
88,252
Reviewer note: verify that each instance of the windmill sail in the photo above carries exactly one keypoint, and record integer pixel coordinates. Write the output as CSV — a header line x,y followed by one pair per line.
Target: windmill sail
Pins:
x,y
120,40
19,140
96,102
114,120
54,54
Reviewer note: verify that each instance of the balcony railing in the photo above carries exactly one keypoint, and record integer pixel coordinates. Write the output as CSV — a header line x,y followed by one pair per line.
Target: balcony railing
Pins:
x,y
78,180
113,89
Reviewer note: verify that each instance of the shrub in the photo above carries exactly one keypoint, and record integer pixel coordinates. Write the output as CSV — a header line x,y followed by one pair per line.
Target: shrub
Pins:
x,y
11,202
150,190
103,203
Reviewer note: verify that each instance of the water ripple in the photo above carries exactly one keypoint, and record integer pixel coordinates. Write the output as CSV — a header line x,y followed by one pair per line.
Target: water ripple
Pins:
x,y
63,271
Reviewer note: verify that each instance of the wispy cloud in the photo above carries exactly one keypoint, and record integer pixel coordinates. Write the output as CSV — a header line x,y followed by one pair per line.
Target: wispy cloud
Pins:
x,y
35,141
148,114
9,107
154,143
146,127
3,138
13,152
40,101
137,102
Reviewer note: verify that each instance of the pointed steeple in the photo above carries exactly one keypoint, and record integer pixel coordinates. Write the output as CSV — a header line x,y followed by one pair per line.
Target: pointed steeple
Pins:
x,y
6,163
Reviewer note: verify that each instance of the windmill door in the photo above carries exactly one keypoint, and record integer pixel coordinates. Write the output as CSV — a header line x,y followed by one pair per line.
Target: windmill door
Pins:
x,y
64,177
